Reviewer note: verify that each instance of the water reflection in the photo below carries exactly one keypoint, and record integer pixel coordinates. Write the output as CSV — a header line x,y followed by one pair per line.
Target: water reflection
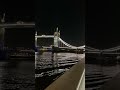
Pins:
x,y
49,66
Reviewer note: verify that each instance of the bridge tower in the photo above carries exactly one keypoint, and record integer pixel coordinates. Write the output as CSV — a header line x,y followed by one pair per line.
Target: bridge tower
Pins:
x,y
36,39
2,30
56,38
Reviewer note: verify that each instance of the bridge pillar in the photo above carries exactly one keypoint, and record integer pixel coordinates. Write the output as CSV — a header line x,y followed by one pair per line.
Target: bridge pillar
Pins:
x,y
56,38
2,30
36,39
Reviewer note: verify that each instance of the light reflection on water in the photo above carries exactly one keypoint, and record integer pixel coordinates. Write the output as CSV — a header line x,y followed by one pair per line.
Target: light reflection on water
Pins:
x,y
52,72
45,60
49,69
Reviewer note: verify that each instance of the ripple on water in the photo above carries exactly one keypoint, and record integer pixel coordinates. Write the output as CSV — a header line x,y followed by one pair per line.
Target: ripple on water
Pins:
x,y
97,75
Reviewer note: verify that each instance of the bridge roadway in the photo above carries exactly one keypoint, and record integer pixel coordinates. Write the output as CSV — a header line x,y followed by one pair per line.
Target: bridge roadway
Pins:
x,y
44,36
62,50
73,79
103,53
112,53
17,25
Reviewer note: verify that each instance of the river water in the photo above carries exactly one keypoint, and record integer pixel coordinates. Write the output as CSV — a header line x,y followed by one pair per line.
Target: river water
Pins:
x,y
50,66
27,75
17,75
97,75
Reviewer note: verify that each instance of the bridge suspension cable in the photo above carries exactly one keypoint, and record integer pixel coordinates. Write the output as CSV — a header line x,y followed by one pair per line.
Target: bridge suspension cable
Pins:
x,y
80,47
112,49
62,41
91,49
71,46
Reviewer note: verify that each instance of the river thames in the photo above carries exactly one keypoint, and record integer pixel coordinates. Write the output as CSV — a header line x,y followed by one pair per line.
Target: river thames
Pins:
x,y
48,69
17,75
99,74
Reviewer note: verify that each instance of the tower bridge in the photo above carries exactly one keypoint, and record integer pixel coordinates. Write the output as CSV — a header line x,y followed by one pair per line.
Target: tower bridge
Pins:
x,y
113,52
59,45
18,24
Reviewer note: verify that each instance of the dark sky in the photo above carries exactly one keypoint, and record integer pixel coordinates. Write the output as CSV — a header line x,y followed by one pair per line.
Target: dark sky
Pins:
x,y
68,16
96,21
103,23
18,11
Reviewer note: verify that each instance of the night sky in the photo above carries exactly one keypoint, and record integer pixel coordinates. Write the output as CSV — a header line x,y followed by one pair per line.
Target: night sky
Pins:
x,y
93,22
103,23
18,11
68,16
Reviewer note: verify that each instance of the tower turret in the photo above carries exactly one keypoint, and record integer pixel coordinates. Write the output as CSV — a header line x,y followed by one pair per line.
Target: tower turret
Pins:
x,y
56,38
